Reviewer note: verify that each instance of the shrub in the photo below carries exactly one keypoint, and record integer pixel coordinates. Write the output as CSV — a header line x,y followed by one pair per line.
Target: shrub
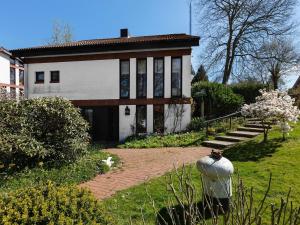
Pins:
x,y
51,204
57,124
196,124
41,129
219,99
249,90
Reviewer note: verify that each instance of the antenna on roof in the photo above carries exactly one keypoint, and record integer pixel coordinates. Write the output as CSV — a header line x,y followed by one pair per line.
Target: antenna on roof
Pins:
x,y
190,17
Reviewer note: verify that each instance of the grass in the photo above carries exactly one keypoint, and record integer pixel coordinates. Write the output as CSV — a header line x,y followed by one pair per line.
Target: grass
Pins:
x,y
79,171
170,140
253,162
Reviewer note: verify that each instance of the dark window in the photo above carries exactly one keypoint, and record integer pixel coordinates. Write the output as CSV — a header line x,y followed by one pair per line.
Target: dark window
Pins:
x,y
12,76
124,78
21,77
141,78
176,79
158,78
39,77
13,93
158,119
54,77
141,119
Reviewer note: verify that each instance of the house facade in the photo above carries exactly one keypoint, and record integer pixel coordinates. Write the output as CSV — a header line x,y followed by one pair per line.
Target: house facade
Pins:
x,y
123,86
11,75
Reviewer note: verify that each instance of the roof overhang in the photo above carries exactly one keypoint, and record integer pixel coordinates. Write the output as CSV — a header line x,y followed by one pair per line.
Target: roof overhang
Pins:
x,y
108,45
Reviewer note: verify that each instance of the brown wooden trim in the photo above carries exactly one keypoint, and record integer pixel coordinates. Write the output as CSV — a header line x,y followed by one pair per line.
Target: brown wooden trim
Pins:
x,y
125,55
148,101
11,85
16,67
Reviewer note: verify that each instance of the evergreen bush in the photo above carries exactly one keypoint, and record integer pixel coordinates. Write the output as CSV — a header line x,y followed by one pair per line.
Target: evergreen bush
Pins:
x,y
249,90
51,204
219,99
41,129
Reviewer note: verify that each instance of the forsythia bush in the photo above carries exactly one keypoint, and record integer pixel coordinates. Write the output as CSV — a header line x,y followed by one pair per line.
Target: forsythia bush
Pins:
x,y
41,129
50,204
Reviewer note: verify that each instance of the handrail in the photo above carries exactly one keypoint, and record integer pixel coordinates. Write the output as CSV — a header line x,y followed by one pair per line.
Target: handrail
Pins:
x,y
221,118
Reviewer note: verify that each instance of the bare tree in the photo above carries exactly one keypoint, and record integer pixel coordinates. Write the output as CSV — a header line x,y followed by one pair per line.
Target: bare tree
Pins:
x,y
235,29
277,58
61,33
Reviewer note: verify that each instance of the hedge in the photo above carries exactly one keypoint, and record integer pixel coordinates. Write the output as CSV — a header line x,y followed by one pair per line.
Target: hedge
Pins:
x,y
249,90
219,99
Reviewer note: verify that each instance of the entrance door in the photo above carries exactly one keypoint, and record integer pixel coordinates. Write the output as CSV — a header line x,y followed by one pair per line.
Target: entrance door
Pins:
x,y
104,123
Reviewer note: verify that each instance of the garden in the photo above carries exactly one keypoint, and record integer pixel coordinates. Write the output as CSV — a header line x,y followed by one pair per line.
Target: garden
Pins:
x,y
46,152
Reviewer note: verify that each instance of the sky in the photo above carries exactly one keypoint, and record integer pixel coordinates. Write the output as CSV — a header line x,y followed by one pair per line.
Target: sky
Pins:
x,y
29,23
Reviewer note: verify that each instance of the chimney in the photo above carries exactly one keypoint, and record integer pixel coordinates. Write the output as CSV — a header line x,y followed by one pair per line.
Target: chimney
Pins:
x,y
124,33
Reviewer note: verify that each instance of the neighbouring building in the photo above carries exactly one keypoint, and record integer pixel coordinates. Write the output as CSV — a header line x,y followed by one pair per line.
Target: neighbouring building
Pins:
x,y
11,75
297,83
123,86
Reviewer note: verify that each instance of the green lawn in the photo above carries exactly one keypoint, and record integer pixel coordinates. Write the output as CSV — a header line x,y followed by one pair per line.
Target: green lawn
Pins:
x,y
253,161
170,140
83,169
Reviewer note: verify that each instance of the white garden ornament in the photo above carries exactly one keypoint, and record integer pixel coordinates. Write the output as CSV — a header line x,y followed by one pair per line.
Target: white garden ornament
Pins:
x,y
108,161
273,105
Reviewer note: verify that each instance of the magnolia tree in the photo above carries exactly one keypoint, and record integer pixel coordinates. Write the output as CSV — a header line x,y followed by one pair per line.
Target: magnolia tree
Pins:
x,y
273,106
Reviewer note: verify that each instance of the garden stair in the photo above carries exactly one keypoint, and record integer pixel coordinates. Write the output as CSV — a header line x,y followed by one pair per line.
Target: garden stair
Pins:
x,y
251,129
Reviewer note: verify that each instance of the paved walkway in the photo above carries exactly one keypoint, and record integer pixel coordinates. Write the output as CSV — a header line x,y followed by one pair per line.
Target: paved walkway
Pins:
x,y
139,165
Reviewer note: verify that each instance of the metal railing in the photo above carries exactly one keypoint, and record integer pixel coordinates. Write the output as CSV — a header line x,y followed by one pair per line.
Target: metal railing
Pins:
x,y
229,116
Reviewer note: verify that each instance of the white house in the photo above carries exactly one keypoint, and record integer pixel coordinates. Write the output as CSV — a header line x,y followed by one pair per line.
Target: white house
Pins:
x,y
124,86
11,75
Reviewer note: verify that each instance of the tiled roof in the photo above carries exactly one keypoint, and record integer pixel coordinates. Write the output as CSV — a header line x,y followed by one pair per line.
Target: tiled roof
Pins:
x,y
5,51
297,83
167,40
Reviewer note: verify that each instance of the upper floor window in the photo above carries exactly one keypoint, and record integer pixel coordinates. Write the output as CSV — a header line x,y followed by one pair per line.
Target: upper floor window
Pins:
x,y
21,77
158,85
176,77
124,78
141,78
54,77
39,77
12,76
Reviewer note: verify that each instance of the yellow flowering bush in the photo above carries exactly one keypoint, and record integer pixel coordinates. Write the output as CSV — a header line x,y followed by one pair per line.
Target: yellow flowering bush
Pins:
x,y
51,204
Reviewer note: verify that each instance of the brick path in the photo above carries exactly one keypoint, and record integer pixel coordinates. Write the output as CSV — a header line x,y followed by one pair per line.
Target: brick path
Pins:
x,y
139,165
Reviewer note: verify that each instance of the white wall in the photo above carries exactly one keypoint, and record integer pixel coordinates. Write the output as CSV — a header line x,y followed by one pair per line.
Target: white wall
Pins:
x,y
133,78
150,77
168,77
4,69
80,80
149,119
126,122
186,76
182,121
99,79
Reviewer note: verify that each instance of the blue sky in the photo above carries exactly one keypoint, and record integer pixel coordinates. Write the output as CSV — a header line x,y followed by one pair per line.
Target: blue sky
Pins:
x,y
29,23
